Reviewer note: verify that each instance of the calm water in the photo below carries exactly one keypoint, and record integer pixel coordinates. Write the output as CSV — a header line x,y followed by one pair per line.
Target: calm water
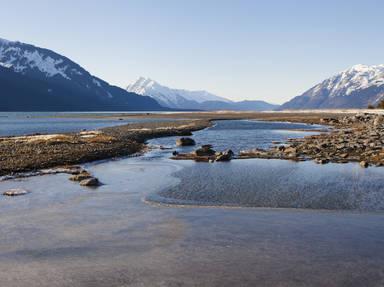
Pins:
x,y
19,123
269,183
67,235
242,134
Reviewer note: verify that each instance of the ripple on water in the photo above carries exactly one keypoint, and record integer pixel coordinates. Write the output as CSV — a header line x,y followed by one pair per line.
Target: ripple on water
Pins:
x,y
278,184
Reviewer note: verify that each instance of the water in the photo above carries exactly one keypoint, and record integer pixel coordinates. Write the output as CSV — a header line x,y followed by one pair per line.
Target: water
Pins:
x,y
277,184
268,183
19,123
67,235
243,134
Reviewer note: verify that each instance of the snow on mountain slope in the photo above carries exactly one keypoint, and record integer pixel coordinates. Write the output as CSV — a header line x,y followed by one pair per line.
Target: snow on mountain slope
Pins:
x,y
352,88
22,58
174,98
356,78
58,80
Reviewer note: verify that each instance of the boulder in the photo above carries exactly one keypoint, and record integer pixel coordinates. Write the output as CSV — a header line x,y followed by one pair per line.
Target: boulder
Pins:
x,y
205,150
15,192
364,164
185,142
225,155
321,160
93,181
81,176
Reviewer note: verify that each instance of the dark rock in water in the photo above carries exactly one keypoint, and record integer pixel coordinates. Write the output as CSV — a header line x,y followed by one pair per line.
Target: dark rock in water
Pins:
x,y
205,150
81,176
175,153
185,142
15,192
93,181
321,160
164,147
364,164
225,155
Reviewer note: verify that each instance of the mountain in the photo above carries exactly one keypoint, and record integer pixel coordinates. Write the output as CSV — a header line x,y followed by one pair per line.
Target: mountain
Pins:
x,y
356,87
173,98
184,99
37,79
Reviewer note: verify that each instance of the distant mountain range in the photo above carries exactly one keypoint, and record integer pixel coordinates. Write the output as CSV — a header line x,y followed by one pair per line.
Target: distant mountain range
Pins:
x,y
37,79
356,87
198,100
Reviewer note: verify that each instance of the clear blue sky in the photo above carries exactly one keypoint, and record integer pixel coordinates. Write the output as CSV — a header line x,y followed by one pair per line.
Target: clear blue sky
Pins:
x,y
270,50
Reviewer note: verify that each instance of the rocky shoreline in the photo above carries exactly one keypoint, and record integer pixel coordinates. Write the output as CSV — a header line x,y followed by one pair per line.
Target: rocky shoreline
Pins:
x,y
358,138
355,138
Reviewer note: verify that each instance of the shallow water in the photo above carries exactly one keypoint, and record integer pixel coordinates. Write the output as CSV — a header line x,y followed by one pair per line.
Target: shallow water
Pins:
x,y
20,123
276,183
269,183
62,234
243,134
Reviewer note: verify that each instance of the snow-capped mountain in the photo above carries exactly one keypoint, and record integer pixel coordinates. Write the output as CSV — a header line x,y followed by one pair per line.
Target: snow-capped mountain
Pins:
x,y
173,98
184,99
356,87
33,78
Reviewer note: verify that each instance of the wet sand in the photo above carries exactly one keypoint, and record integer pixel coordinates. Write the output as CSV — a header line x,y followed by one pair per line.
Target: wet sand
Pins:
x,y
62,234
35,152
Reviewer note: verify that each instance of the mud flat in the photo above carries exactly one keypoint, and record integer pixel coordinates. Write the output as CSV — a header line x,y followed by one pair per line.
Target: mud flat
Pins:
x,y
34,152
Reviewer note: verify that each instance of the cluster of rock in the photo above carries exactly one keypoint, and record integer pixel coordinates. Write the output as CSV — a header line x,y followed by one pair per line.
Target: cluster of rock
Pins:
x,y
204,154
15,192
85,179
358,138
77,173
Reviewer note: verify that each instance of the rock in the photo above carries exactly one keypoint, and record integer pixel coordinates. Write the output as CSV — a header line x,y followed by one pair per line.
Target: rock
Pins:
x,y
93,181
281,148
378,121
185,142
321,161
205,150
290,150
15,192
364,164
165,148
225,155
81,176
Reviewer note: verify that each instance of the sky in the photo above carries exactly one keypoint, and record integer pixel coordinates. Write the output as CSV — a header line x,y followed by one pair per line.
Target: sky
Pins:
x,y
256,50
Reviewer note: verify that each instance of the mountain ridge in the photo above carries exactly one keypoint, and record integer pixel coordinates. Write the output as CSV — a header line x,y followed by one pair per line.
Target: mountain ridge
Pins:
x,y
185,99
46,73
355,87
